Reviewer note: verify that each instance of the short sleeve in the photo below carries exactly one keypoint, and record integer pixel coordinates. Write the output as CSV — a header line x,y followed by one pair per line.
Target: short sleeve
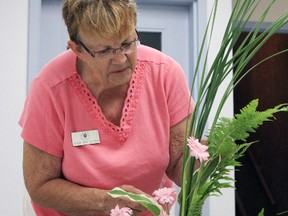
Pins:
x,y
40,121
180,103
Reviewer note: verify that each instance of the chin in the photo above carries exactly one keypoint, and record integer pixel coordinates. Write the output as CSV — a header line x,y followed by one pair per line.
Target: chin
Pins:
x,y
121,81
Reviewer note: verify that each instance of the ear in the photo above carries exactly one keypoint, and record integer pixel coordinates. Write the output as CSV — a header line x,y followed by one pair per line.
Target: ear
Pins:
x,y
76,48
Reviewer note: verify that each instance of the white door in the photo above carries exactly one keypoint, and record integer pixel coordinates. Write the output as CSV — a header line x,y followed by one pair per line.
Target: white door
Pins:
x,y
173,24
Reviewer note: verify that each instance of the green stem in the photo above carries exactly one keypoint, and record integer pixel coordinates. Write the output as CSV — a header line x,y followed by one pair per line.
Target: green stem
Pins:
x,y
196,186
167,208
186,184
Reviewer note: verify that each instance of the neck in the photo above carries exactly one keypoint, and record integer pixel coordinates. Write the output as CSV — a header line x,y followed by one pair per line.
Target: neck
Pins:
x,y
99,88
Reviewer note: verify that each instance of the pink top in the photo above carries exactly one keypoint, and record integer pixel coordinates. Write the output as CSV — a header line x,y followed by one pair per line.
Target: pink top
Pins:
x,y
136,152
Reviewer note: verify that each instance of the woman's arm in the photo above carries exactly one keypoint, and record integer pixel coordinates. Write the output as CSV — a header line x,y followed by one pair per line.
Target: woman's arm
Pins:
x,y
47,188
177,136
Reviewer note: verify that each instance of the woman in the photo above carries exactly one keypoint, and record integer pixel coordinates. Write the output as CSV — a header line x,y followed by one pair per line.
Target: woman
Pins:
x,y
104,113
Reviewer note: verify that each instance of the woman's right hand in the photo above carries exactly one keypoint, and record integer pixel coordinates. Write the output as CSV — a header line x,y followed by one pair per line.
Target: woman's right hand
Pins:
x,y
111,203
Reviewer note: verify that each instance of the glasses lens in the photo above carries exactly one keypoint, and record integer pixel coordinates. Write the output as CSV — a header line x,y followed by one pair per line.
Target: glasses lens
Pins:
x,y
105,53
129,47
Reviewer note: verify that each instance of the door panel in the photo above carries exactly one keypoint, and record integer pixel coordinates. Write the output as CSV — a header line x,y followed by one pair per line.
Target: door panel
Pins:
x,y
263,180
172,22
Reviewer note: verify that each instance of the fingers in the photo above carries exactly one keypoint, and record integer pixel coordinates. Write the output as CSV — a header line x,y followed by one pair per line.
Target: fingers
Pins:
x,y
110,202
136,207
124,202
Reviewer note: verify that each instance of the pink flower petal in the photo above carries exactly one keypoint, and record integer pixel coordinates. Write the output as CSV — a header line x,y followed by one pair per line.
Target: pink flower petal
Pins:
x,y
121,211
165,195
198,150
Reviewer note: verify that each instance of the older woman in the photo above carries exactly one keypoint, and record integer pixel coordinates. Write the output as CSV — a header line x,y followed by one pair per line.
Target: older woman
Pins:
x,y
102,114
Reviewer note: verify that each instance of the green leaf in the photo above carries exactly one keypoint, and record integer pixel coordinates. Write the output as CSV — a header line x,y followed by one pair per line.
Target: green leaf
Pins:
x,y
148,202
209,168
282,213
261,213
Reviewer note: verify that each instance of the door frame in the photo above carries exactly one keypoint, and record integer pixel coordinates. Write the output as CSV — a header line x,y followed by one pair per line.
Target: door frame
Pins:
x,y
193,27
165,2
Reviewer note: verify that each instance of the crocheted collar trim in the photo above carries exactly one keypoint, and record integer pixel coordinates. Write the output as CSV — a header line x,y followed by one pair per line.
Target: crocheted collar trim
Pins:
x,y
122,131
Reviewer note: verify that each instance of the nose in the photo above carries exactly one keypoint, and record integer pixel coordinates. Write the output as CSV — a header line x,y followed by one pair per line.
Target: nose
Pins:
x,y
119,56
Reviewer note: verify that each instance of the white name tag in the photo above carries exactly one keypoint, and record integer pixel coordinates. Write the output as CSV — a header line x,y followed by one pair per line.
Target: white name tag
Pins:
x,y
85,137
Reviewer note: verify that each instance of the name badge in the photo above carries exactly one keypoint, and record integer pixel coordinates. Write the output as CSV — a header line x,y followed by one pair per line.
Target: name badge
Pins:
x,y
85,137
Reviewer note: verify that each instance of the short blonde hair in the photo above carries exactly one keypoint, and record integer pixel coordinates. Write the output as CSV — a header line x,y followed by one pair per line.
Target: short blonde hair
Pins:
x,y
107,18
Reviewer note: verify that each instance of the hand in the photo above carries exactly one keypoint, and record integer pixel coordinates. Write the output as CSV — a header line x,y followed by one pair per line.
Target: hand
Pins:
x,y
110,202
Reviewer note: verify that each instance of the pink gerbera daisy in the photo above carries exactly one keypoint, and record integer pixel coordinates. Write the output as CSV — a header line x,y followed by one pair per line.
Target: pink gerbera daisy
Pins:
x,y
165,195
198,150
121,211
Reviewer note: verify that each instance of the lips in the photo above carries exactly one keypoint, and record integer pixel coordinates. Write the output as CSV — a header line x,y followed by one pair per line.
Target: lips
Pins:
x,y
120,70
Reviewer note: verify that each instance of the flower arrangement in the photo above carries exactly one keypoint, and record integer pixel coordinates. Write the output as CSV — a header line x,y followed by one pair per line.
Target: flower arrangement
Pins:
x,y
221,152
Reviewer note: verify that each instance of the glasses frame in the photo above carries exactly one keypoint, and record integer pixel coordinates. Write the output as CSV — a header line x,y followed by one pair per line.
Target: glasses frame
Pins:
x,y
114,50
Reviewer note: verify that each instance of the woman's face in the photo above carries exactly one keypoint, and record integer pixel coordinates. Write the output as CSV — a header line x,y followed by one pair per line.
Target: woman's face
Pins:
x,y
109,71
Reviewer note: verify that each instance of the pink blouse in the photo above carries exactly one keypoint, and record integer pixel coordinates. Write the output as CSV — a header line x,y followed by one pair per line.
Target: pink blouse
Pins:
x,y
134,153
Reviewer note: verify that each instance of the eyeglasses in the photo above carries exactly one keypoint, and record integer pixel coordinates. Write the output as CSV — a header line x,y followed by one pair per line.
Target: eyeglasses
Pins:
x,y
126,48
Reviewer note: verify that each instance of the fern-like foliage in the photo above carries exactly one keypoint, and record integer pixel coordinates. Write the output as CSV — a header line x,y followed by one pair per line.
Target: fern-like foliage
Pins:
x,y
212,176
207,79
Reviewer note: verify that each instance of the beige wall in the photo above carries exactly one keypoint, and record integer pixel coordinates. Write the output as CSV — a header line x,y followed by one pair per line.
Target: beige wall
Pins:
x,y
279,7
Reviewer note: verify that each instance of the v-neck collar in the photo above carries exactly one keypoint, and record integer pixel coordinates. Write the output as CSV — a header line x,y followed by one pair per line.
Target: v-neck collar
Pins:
x,y
122,131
